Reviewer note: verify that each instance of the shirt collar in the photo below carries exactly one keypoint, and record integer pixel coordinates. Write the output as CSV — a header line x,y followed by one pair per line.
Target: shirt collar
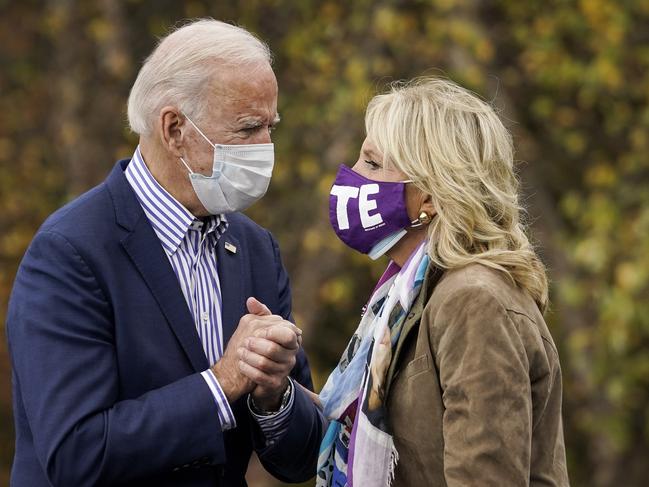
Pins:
x,y
170,220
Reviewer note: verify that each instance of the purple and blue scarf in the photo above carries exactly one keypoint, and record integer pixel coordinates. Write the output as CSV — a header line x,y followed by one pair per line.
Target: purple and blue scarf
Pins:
x,y
357,448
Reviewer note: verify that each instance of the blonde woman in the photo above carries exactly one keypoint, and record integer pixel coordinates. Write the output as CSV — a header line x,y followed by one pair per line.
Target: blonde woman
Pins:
x,y
452,377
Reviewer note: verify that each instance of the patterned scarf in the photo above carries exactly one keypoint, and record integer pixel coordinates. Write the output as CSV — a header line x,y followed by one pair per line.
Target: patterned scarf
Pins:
x,y
358,448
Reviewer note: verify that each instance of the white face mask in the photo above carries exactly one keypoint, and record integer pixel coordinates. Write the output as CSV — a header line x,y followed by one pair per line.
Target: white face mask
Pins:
x,y
240,176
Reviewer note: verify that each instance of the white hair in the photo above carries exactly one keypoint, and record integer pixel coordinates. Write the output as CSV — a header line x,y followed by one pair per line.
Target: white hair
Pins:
x,y
180,69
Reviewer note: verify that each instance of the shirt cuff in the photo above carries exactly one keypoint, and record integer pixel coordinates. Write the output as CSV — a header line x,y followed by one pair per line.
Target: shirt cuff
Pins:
x,y
274,425
226,417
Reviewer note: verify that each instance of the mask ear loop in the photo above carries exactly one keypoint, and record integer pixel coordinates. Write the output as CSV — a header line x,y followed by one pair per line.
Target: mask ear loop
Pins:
x,y
188,168
214,147
197,129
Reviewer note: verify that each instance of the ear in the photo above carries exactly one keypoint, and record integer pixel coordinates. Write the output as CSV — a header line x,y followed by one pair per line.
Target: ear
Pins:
x,y
172,128
427,206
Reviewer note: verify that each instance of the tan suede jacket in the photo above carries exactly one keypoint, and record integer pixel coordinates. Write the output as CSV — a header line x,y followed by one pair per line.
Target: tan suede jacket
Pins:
x,y
474,388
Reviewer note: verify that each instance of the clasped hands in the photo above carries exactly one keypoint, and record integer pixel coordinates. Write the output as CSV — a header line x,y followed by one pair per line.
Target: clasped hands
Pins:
x,y
259,357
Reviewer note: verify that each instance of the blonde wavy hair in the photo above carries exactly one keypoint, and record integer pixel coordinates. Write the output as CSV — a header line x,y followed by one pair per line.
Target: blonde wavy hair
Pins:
x,y
455,148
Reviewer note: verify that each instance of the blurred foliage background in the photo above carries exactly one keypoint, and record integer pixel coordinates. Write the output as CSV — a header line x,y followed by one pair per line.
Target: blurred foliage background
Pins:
x,y
570,77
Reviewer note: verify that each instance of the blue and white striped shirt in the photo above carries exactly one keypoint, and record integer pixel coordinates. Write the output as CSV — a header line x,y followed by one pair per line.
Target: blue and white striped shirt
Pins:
x,y
189,244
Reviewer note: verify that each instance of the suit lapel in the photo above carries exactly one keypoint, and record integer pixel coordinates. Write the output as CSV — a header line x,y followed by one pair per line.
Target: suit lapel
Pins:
x,y
229,261
148,256
143,247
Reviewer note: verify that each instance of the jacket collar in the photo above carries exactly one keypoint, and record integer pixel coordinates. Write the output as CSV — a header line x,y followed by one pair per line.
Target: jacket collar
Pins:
x,y
170,220
127,208
432,277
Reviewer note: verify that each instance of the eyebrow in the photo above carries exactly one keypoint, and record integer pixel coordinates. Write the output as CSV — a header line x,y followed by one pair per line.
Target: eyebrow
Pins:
x,y
252,123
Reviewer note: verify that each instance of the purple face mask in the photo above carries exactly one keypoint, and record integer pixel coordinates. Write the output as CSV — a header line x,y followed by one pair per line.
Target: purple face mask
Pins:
x,y
369,216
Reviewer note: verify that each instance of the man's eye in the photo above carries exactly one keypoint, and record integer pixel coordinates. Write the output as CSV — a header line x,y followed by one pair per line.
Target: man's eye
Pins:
x,y
252,130
372,164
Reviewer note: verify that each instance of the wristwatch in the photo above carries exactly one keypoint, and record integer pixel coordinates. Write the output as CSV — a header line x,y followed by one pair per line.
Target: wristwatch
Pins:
x,y
286,397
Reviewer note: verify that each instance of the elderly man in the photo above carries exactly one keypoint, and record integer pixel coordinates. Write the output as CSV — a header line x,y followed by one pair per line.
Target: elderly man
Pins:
x,y
150,322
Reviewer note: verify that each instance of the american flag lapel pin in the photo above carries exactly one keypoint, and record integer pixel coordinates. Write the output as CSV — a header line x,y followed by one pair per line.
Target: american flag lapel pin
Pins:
x,y
230,248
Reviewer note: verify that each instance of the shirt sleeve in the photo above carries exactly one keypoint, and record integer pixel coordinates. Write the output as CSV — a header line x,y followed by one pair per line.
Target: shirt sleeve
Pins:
x,y
274,425
226,417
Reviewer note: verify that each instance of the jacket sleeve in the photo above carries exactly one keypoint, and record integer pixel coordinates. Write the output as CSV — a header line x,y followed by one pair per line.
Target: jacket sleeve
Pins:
x,y
486,392
62,344
293,456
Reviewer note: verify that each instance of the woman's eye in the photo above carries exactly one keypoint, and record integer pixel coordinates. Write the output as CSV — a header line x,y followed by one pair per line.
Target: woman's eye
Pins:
x,y
372,164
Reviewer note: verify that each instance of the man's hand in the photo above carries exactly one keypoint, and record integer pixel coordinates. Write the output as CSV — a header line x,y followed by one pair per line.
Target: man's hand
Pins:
x,y
227,370
267,359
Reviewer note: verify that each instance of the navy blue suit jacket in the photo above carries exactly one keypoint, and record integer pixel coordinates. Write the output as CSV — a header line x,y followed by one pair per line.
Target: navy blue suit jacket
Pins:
x,y
106,358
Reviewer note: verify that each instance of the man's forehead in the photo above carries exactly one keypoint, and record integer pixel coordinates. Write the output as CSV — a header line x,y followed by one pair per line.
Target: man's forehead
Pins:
x,y
245,94
232,79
